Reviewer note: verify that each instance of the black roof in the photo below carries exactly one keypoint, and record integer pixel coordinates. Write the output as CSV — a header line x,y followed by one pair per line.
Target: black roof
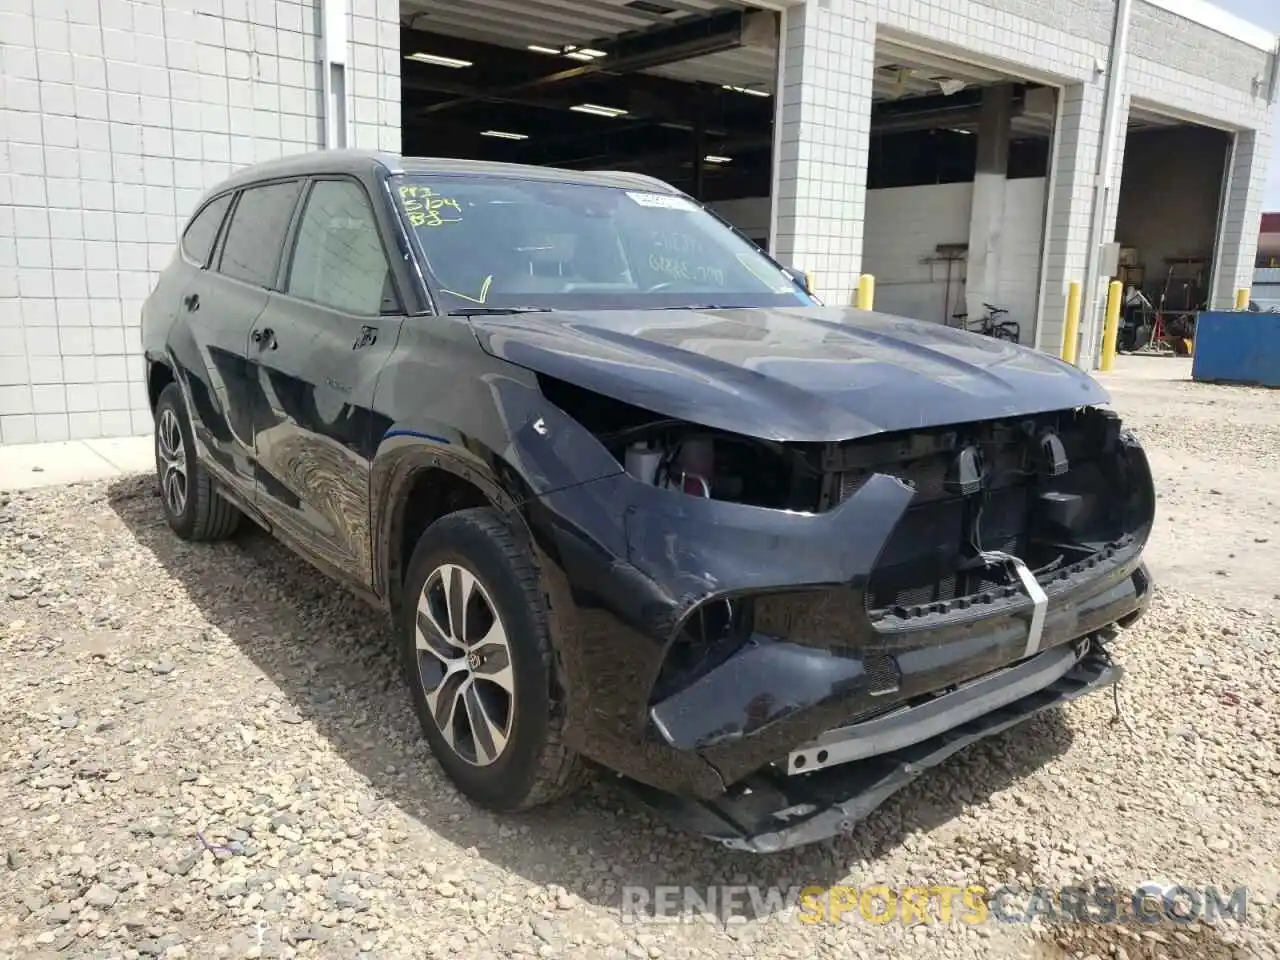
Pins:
x,y
361,161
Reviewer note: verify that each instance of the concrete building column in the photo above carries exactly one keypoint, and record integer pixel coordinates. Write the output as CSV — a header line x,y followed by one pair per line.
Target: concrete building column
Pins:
x,y
1074,160
821,132
987,213
1237,244
1093,312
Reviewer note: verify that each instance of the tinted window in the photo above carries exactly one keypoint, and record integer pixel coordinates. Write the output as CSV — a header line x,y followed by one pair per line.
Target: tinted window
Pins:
x,y
506,241
338,259
256,235
197,242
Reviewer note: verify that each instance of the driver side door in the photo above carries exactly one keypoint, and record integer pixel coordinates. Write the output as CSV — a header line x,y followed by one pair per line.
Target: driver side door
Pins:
x,y
320,346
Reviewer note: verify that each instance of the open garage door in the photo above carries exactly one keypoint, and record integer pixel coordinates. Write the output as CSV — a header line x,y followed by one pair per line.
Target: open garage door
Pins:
x,y
677,89
956,187
1167,224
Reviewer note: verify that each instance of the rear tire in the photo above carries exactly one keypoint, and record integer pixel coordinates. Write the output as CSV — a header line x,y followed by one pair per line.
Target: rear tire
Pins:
x,y
192,505
478,660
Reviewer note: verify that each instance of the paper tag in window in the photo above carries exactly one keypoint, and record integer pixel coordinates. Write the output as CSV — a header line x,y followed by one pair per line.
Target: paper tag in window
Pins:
x,y
665,201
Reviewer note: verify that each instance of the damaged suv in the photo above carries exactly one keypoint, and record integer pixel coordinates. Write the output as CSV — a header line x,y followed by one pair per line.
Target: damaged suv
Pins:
x,y
631,494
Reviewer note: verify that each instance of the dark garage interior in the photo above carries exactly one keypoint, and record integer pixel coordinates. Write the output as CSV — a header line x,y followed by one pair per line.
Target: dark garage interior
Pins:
x,y
1167,221
607,103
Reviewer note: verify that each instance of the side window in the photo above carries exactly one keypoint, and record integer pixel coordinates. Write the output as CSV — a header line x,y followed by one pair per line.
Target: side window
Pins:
x,y
197,242
256,235
338,260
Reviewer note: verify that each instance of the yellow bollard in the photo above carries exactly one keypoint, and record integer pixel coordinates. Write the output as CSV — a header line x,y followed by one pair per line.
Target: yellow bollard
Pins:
x,y
866,292
1071,323
1242,298
1115,296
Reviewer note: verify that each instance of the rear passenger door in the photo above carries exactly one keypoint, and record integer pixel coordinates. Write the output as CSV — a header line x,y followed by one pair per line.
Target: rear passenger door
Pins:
x,y
220,306
196,342
320,345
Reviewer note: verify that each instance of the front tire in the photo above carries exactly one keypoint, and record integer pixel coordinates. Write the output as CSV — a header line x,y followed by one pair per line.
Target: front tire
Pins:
x,y
194,508
478,660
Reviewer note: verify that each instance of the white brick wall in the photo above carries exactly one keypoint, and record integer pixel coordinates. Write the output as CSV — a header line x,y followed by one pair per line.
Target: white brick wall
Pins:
x,y
1242,214
116,116
1070,205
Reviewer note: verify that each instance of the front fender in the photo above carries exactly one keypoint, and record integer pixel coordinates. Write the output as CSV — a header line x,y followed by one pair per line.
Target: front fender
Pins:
x,y
545,451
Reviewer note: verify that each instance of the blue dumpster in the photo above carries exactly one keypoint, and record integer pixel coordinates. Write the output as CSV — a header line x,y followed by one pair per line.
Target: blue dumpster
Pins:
x,y
1234,346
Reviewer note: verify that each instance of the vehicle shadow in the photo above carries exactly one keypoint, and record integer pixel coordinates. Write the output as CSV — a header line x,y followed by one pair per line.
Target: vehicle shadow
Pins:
x,y
330,655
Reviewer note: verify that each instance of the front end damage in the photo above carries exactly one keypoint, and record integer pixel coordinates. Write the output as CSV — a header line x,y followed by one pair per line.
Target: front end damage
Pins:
x,y
769,640
767,812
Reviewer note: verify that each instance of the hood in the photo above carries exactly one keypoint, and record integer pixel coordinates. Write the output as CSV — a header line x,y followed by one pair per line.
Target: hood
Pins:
x,y
809,374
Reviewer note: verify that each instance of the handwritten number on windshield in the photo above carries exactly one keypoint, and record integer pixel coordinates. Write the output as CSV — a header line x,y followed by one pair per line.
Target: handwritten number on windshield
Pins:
x,y
426,208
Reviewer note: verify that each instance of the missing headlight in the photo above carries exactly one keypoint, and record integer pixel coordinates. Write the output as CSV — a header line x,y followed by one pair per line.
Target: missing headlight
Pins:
x,y
693,459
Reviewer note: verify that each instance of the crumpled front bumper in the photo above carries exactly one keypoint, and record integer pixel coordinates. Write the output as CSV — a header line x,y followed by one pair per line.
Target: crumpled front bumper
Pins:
x,y
772,811
775,694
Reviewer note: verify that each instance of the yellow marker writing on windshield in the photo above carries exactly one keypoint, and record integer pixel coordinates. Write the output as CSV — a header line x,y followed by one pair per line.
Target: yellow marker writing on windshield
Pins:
x,y
484,291
426,208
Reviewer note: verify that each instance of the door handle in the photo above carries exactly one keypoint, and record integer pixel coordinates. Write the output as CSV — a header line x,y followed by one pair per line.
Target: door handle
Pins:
x,y
191,302
264,338
368,337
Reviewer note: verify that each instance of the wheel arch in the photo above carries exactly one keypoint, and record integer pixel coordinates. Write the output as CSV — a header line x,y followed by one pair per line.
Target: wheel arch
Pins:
x,y
413,484
159,375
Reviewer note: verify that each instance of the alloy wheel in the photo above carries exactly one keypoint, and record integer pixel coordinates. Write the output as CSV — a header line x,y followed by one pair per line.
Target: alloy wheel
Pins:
x,y
171,455
464,664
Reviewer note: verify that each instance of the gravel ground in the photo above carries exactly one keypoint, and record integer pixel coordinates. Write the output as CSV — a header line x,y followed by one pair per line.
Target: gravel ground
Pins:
x,y
206,752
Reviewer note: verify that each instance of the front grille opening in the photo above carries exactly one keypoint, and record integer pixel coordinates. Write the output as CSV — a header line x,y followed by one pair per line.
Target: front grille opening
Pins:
x,y
1031,503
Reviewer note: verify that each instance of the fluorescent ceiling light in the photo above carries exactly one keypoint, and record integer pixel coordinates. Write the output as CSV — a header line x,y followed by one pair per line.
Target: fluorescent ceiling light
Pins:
x,y
504,135
967,133
438,61
596,110
749,91
570,50
716,158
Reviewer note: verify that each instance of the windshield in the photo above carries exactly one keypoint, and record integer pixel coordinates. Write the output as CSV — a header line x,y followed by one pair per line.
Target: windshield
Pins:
x,y
499,242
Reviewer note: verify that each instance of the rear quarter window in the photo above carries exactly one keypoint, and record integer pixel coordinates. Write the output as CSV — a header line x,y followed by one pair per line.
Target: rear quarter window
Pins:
x,y
202,232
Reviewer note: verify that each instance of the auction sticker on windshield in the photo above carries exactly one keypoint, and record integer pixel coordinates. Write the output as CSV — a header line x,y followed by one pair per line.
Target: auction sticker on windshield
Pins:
x,y
665,201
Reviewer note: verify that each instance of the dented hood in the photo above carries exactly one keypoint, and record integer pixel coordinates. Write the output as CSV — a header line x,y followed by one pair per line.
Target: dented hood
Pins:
x,y
794,373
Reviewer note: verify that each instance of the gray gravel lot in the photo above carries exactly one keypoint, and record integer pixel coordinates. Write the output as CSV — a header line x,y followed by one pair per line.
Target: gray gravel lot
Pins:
x,y
206,752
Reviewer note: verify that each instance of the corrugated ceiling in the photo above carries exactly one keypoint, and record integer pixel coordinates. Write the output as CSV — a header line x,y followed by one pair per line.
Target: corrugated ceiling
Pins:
x,y
750,67
552,23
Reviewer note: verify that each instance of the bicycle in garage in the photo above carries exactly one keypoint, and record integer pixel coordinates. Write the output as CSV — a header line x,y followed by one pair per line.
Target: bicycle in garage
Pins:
x,y
991,324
